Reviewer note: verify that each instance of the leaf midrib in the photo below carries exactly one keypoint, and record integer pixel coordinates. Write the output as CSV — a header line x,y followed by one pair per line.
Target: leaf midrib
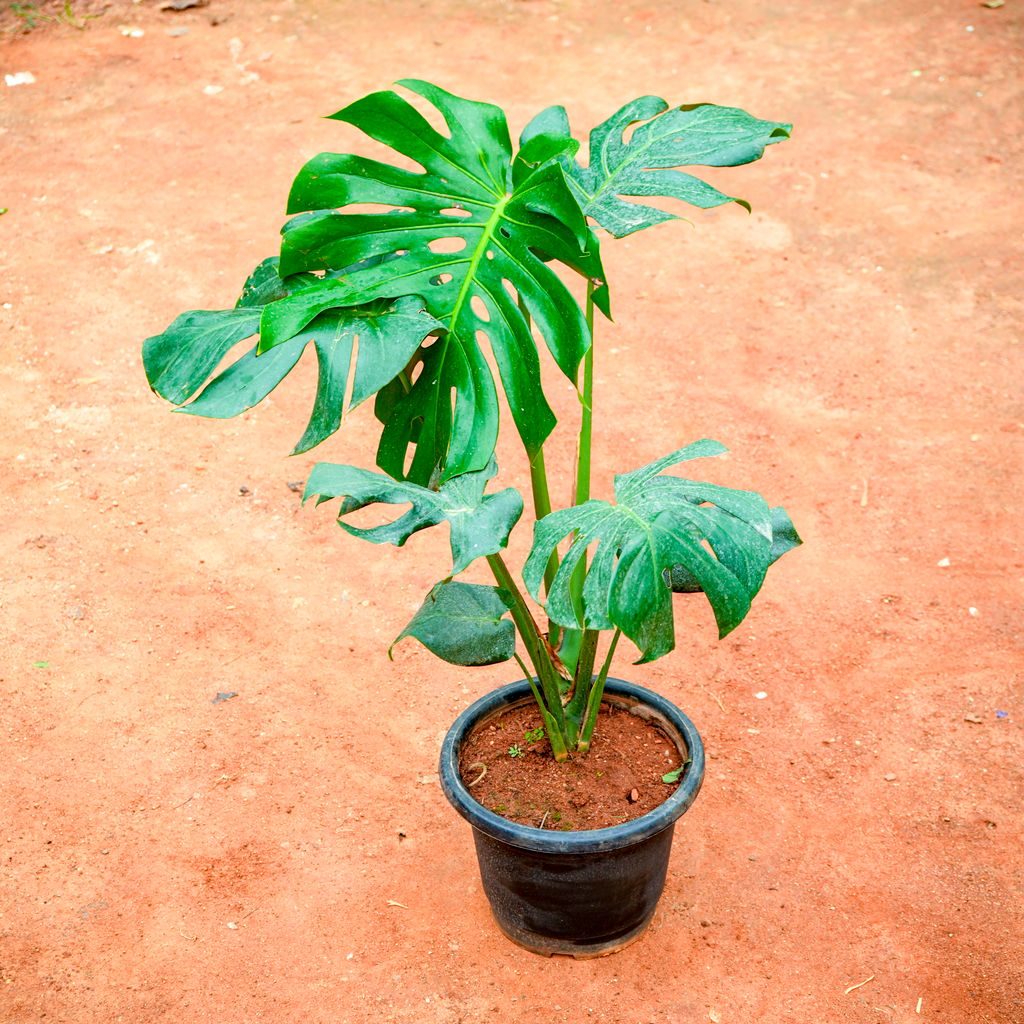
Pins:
x,y
486,237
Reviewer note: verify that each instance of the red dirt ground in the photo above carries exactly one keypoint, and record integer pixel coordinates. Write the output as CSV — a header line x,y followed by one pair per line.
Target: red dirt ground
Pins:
x,y
856,853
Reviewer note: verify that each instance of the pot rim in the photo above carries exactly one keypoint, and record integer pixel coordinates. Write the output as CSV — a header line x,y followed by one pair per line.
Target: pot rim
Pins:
x,y
546,841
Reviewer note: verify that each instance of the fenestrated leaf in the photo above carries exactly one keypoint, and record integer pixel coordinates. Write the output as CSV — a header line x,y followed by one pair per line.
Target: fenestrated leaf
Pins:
x,y
383,335
479,525
464,624
720,536
470,240
671,137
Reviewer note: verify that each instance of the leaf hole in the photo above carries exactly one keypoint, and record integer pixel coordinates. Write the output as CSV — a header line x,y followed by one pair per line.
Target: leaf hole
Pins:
x,y
374,209
450,243
504,232
479,307
456,211
441,279
431,114
490,254
374,514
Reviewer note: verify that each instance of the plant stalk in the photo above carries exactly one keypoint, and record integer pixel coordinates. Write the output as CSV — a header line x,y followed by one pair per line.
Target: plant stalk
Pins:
x,y
573,642
582,490
541,492
596,693
541,508
535,646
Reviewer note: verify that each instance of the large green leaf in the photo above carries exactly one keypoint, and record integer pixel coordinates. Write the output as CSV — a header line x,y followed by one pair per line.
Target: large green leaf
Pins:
x,y
464,624
359,350
474,238
479,525
644,165
720,536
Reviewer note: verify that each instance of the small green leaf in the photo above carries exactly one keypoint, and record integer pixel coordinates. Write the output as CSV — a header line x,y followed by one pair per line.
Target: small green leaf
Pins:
x,y
464,624
675,775
40,664
480,525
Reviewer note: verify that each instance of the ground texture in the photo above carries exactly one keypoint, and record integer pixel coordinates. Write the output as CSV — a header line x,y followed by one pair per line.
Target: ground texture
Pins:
x,y
284,854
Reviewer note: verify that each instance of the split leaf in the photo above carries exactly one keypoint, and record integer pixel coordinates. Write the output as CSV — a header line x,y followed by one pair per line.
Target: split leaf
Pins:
x,y
720,537
644,165
469,236
480,525
359,350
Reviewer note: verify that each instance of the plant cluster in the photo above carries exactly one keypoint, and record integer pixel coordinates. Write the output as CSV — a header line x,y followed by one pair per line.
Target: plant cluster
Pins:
x,y
402,278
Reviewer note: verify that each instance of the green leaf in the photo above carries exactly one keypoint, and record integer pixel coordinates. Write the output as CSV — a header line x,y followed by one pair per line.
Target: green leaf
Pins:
x,y
784,535
545,138
784,538
720,536
178,361
479,525
684,136
469,236
359,350
676,774
464,624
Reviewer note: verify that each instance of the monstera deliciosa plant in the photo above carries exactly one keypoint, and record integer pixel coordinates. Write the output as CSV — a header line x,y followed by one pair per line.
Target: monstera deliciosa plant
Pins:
x,y
403,281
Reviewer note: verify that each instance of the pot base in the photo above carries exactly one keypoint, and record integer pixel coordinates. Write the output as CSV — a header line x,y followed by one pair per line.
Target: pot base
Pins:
x,y
559,947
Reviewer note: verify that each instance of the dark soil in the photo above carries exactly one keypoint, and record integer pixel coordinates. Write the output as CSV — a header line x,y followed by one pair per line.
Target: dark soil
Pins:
x,y
617,780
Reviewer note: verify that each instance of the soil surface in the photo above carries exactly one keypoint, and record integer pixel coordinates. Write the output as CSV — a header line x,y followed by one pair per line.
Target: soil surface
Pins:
x,y
510,770
219,798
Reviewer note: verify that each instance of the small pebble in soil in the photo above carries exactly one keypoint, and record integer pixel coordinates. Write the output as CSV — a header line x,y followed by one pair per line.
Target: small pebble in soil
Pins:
x,y
890,777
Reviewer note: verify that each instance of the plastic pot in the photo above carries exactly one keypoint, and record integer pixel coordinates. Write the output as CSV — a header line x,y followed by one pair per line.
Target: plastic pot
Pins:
x,y
583,894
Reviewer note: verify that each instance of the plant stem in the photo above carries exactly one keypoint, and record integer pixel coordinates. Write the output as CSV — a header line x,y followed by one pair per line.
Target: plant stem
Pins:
x,y
596,693
582,491
583,679
555,738
541,508
573,644
541,492
535,646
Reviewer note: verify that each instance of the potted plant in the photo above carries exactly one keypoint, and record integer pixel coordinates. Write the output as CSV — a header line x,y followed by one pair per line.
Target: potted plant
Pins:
x,y
401,278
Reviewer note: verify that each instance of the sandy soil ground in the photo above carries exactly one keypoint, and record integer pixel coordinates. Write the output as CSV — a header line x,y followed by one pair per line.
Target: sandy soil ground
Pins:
x,y
285,855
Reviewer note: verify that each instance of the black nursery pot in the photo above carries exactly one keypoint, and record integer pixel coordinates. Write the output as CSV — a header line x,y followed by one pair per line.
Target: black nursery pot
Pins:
x,y
583,894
